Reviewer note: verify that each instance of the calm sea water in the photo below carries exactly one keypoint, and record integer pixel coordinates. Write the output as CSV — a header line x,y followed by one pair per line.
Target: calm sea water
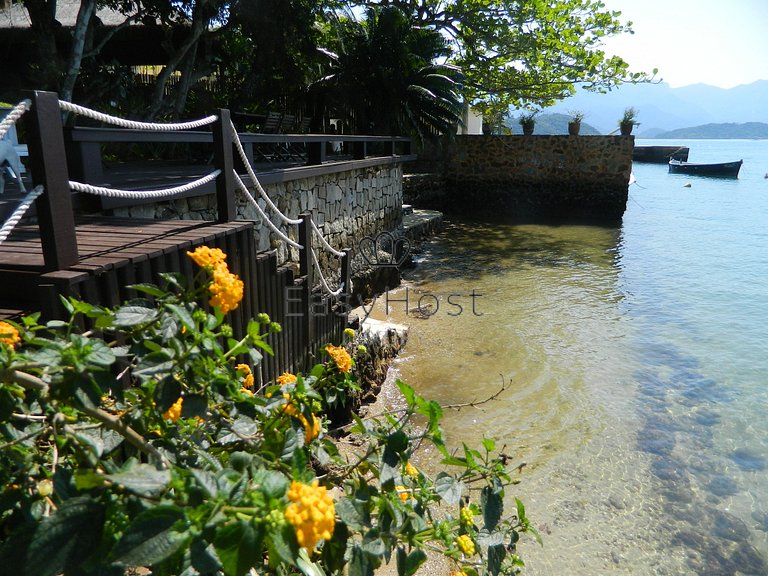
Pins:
x,y
635,367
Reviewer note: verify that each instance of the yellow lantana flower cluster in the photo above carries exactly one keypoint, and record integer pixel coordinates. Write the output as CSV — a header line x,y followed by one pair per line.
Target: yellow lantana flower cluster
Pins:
x,y
245,371
174,412
226,288
311,513
311,431
9,335
286,378
465,544
340,356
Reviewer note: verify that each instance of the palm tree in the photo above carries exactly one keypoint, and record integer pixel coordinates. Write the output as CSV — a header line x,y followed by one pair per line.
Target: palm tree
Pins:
x,y
389,74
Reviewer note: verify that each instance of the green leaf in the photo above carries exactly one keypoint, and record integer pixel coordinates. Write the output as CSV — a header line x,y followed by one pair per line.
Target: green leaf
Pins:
x,y
282,545
203,556
100,354
88,479
239,547
362,564
334,550
150,289
182,314
66,538
273,484
448,488
349,514
492,506
142,479
194,405
153,536
128,316
496,555
489,444
167,392
407,564
307,567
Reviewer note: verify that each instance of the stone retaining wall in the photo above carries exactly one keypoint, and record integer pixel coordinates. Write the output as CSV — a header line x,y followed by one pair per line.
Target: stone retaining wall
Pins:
x,y
347,206
539,177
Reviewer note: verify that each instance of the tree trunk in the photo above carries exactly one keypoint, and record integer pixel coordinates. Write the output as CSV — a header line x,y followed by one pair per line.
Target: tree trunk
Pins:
x,y
42,16
199,22
87,9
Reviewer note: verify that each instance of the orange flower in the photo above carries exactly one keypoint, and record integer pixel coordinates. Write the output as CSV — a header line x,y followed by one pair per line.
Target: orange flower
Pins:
x,y
245,371
206,257
286,378
311,512
9,335
311,431
174,412
226,289
340,356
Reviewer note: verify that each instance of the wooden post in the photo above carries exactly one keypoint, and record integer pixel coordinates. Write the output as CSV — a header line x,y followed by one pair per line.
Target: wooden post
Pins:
x,y
48,161
307,271
359,149
224,161
315,153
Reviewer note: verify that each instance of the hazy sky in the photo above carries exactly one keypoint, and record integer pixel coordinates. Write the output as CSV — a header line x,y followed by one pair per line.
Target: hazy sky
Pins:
x,y
719,42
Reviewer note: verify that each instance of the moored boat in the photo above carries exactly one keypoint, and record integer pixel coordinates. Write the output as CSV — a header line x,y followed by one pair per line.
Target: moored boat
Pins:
x,y
659,154
724,169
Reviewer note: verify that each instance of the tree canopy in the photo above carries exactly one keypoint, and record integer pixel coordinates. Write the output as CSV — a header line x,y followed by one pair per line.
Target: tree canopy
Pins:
x,y
397,57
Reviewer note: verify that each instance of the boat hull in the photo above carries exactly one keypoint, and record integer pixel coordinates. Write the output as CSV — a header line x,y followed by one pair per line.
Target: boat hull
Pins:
x,y
722,169
659,154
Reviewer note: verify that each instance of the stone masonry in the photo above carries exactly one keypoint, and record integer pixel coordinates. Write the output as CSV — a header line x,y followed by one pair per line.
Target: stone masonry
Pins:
x,y
539,177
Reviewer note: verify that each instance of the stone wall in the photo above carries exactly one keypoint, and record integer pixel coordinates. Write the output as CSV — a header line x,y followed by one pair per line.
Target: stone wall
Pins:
x,y
539,177
346,205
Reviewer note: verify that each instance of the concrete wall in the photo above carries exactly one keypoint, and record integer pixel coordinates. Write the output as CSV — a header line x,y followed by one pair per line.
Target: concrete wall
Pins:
x,y
346,205
539,177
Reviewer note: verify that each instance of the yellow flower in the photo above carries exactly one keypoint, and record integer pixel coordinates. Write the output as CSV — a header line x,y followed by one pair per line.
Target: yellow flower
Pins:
x,y
245,371
286,378
226,289
411,470
349,333
403,492
466,516
340,357
174,412
207,257
245,391
311,431
311,512
9,335
465,544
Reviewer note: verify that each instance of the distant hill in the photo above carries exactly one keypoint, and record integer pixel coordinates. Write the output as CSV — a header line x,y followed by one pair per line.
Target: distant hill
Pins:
x,y
663,108
752,130
551,124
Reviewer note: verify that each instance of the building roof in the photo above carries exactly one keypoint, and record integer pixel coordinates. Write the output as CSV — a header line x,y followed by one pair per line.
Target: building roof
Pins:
x,y
17,17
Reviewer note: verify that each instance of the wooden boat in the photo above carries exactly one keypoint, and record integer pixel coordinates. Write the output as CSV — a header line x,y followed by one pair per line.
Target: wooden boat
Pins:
x,y
659,154
724,169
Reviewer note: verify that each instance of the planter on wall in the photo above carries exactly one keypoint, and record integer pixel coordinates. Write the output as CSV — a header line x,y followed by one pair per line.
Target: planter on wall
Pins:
x,y
573,128
626,128
527,129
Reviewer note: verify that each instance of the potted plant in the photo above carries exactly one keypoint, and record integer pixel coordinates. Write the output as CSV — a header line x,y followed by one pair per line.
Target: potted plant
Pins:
x,y
574,125
527,120
628,122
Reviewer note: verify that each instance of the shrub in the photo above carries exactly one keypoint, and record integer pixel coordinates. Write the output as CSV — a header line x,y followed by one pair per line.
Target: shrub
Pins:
x,y
144,443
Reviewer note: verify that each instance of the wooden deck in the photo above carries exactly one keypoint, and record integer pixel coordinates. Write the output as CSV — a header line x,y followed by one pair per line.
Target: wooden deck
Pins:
x,y
128,249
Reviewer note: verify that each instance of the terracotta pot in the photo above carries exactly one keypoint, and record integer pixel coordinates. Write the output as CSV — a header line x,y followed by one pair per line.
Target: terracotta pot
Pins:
x,y
527,129
573,128
626,128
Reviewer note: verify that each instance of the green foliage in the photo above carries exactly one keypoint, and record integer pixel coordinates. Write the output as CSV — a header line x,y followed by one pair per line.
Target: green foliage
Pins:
x,y
139,443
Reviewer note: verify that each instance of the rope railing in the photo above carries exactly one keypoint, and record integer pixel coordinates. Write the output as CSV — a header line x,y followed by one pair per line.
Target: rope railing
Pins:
x,y
143,194
255,180
263,214
323,281
13,116
19,212
106,118
324,242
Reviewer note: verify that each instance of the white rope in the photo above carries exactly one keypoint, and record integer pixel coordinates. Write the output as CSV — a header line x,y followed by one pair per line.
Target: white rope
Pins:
x,y
13,116
135,194
255,180
263,214
101,117
324,242
323,281
20,210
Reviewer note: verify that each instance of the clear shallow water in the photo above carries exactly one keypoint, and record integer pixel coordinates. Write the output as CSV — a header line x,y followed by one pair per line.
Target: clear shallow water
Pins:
x,y
635,361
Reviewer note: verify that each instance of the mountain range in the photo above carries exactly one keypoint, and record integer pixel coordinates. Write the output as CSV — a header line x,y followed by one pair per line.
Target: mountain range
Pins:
x,y
662,108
